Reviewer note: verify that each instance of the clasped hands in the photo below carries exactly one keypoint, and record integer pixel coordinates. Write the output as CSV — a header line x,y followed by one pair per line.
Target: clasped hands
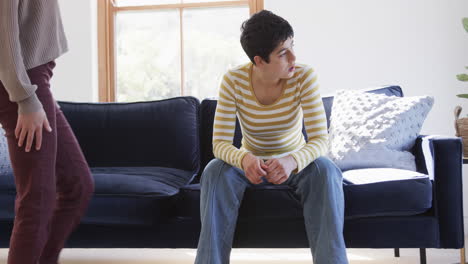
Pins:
x,y
275,170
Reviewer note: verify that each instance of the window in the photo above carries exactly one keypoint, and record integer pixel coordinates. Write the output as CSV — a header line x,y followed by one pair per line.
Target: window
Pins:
x,y
156,49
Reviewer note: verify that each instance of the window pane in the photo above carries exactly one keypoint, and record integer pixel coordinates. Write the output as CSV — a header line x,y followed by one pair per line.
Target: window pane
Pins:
x,y
145,2
147,55
209,51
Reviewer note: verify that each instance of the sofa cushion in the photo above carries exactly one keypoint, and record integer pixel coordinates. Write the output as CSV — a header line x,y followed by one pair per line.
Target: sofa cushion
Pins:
x,y
133,195
381,198
386,192
373,131
6,172
155,133
375,175
5,165
153,181
123,196
7,182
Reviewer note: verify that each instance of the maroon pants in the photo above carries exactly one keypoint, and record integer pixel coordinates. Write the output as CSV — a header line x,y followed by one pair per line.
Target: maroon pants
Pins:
x,y
53,185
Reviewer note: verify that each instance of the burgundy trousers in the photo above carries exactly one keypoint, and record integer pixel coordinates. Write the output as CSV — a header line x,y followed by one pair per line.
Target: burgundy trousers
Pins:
x,y
53,185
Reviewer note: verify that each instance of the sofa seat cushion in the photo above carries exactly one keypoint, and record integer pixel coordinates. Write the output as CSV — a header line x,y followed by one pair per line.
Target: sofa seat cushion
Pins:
x,y
122,196
7,181
133,195
404,196
7,194
154,181
386,192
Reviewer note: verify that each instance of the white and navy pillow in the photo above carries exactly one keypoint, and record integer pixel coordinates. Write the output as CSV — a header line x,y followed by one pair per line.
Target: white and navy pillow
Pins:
x,y
375,131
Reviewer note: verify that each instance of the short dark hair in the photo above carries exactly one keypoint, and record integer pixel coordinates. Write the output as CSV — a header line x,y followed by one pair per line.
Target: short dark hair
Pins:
x,y
262,33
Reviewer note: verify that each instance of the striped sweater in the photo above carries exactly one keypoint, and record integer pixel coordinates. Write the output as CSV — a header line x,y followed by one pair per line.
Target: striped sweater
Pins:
x,y
270,131
31,34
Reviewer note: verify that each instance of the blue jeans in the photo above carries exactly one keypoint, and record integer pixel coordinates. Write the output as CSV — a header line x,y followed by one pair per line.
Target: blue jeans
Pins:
x,y
319,187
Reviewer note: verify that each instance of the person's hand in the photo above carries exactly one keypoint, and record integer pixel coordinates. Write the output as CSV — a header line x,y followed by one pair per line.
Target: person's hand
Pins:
x,y
30,125
254,168
278,170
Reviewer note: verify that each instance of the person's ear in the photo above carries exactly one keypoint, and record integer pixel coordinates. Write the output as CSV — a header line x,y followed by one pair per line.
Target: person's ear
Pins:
x,y
259,61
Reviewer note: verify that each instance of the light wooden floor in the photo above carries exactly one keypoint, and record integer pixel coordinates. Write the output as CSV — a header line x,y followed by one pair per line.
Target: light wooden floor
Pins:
x,y
245,256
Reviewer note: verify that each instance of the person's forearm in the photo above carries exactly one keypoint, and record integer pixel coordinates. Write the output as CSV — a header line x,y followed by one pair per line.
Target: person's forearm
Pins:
x,y
314,148
292,163
229,153
13,73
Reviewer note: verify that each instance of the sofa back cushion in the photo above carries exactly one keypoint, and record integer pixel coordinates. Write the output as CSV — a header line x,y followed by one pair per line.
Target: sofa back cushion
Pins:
x,y
154,133
208,108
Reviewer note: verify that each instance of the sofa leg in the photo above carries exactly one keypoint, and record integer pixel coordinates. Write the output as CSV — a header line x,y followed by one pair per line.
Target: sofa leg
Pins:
x,y
422,255
397,252
462,256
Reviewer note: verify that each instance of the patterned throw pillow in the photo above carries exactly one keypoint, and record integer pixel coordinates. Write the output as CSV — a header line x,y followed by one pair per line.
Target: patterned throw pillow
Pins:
x,y
5,166
375,131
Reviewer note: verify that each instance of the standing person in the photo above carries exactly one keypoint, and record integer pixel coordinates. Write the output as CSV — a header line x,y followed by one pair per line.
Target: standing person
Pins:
x,y
53,181
271,96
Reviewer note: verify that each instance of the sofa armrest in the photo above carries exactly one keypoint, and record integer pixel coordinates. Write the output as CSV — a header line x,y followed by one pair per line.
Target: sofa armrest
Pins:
x,y
441,158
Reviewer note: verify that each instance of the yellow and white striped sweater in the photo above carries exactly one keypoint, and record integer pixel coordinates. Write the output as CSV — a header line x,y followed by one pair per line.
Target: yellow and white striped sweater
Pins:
x,y
270,131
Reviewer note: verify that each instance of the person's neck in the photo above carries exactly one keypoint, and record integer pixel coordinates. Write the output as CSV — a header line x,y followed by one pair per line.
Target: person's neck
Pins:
x,y
262,78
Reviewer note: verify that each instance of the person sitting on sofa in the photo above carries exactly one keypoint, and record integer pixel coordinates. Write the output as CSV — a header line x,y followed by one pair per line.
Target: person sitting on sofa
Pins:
x,y
271,96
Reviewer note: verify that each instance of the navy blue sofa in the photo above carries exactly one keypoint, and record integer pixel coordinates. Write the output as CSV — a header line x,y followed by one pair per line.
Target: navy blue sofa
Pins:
x,y
147,157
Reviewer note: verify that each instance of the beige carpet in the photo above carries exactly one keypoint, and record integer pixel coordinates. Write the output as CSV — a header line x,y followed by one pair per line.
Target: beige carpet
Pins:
x,y
245,256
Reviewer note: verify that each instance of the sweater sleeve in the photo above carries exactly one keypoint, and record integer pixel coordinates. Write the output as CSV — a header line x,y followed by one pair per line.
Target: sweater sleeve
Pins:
x,y
12,69
315,121
224,126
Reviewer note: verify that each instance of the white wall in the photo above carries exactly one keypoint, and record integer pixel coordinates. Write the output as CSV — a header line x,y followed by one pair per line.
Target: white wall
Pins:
x,y
418,44
75,75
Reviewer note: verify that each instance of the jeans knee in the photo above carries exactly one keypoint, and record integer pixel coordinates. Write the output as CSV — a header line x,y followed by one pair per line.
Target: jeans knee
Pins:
x,y
327,170
212,170
325,163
